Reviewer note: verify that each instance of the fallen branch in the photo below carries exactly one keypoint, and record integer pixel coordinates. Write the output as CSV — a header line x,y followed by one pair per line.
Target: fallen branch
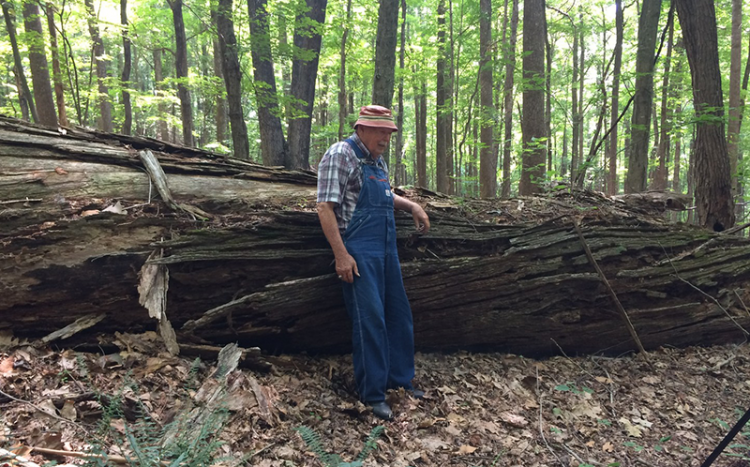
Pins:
x,y
611,291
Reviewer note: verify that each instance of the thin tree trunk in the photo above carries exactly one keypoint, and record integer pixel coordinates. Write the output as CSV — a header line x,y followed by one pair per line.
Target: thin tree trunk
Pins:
x,y
162,129
400,172
510,67
232,75
662,154
612,150
24,93
342,73
581,89
105,106
442,102
220,112
534,154
181,68
648,24
487,166
57,78
713,187
127,124
45,103
735,71
420,106
575,106
307,39
272,144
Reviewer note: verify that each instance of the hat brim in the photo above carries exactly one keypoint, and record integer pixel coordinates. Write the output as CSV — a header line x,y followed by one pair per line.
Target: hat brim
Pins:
x,y
376,124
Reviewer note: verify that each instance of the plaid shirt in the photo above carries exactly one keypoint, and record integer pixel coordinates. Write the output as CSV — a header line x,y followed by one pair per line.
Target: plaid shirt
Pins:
x,y
340,178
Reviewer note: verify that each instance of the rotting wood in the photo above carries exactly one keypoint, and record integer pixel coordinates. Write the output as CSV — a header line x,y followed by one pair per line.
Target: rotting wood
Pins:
x,y
78,325
501,274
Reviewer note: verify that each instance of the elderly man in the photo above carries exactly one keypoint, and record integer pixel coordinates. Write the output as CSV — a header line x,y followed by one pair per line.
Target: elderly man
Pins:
x,y
355,207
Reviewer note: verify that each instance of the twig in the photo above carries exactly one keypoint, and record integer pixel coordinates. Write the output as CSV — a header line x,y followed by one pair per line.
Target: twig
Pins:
x,y
25,200
55,416
82,455
541,429
611,291
741,302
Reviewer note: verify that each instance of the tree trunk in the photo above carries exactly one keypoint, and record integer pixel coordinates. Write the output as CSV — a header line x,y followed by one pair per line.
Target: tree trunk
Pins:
x,y
57,77
24,93
272,145
162,129
575,107
181,69
442,101
487,165
735,72
662,153
612,150
648,25
420,105
713,187
105,106
400,170
230,65
510,67
385,57
534,154
342,74
45,103
220,111
307,40
127,124
262,276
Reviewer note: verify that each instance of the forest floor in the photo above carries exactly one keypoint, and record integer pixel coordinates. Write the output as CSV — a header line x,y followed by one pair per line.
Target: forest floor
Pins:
x,y
481,409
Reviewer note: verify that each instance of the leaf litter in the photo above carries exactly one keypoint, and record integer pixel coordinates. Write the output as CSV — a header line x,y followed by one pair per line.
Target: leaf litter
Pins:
x,y
480,409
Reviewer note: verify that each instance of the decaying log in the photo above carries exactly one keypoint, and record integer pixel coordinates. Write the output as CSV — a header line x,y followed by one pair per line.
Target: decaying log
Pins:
x,y
509,275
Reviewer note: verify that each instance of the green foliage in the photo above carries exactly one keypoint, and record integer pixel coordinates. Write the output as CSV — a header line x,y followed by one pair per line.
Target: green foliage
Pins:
x,y
313,441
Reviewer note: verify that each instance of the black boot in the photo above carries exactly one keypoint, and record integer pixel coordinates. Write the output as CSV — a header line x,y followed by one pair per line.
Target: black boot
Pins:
x,y
382,410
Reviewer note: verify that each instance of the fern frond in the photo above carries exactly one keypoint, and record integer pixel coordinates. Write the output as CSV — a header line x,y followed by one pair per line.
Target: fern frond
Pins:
x,y
371,442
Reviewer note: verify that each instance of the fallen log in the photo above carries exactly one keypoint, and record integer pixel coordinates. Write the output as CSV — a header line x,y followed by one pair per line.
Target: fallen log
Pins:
x,y
508,275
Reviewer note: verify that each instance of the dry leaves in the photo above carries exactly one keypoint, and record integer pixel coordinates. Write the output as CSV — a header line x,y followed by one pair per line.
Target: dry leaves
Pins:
x,y
480,409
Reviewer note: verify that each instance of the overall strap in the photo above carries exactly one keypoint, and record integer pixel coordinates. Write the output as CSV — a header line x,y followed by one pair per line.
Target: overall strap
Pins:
x,y
356,148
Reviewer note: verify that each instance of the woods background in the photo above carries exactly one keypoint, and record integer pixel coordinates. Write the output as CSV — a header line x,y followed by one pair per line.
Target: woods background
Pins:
x,y
493,98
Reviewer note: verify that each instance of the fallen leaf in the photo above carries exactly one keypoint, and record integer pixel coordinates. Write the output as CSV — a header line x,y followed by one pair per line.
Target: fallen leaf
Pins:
x,y
608,447
115,208
466,449
630,429
90,212
514,419
69,410
60,171
6,366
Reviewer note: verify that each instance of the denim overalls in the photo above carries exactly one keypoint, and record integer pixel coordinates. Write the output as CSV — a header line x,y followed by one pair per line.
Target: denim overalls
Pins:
x,y
382,329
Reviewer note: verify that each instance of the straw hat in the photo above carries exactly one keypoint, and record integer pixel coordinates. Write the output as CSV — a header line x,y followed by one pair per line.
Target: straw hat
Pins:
x,y
375,116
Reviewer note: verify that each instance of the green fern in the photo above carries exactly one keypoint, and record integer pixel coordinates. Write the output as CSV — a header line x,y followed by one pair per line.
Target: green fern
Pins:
x,y
312,439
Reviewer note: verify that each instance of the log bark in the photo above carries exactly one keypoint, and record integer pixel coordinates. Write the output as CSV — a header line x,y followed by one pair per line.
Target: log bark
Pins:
x,y
505,275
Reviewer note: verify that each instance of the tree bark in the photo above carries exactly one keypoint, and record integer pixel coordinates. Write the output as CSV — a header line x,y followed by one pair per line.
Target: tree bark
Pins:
x,y
24,93
105,106
648,25
612,149
487,163
385,57
443,101
57,77
735,71
342,74
420,105
45,103
272,144
181,69
399,175
713,183
662,153
510,67
307,40
260,275
127,123
534,153
232,76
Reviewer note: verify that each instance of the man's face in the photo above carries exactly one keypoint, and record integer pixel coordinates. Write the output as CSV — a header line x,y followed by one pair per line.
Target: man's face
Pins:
x,y
375,139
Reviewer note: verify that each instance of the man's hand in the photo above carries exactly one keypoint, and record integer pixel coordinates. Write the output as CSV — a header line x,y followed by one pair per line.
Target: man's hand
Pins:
x,y
346,268
421,221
